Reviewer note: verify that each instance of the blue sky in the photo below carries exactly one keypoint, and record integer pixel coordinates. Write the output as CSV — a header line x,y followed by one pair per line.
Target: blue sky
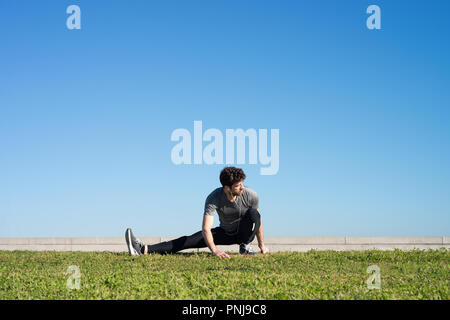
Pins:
x,y
86,115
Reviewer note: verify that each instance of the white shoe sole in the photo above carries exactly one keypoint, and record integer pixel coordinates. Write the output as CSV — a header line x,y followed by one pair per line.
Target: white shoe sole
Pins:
x,y
131,250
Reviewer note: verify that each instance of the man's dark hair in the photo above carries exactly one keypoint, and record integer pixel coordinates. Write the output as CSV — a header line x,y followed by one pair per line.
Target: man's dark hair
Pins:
x,y
231,175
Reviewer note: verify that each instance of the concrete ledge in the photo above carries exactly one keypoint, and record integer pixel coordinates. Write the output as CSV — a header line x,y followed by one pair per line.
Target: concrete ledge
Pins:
x,y
303,240
394,240
117,244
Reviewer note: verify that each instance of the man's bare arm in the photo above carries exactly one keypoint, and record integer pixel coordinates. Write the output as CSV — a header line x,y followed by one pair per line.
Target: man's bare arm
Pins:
x,y
209,240
259,236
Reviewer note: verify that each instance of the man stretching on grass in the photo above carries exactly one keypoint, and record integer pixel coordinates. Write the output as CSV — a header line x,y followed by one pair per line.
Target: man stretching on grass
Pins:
x,y
240,221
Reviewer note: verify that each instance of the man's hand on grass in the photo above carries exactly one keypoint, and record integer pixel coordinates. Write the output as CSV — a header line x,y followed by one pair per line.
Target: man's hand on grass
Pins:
x,y
221,254
263,249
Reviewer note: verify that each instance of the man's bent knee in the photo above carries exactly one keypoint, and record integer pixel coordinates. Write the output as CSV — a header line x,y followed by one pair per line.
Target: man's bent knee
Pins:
x,y
254,214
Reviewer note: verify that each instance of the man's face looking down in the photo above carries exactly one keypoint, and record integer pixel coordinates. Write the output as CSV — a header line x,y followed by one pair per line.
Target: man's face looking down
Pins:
x,y
236,189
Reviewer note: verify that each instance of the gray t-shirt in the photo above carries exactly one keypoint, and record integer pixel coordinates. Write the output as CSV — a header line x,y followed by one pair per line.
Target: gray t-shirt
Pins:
x,y
230,213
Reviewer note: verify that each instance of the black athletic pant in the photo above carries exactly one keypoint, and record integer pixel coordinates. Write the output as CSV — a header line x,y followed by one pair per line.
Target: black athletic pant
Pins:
x,y
248,226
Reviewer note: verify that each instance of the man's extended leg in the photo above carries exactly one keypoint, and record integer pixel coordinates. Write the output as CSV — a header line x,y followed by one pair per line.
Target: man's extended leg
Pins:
x,y
188,242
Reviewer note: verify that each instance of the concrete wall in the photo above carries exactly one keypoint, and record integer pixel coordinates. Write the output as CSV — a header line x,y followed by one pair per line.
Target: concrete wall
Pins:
x,y
273,243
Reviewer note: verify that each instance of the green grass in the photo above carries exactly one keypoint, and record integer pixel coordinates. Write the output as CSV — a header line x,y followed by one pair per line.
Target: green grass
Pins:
x,y
415,274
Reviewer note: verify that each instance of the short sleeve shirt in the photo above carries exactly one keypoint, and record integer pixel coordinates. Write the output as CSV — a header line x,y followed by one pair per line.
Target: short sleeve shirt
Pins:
x,y
230,213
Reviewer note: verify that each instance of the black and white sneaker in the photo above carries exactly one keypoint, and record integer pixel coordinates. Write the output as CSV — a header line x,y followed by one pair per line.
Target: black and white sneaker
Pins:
x,y
134,245
246,249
